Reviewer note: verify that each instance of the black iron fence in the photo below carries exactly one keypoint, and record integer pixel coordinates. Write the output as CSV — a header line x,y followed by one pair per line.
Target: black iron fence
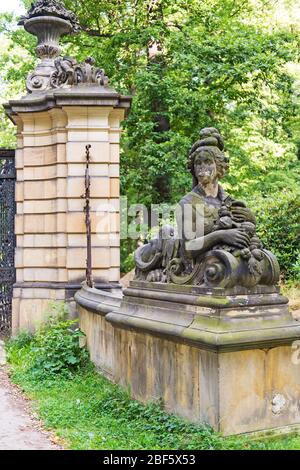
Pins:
x,y
7,236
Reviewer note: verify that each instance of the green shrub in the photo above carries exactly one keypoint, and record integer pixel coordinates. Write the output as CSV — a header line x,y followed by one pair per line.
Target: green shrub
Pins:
x,y
18,347
278,225
54,349
22,340
295,271
127,255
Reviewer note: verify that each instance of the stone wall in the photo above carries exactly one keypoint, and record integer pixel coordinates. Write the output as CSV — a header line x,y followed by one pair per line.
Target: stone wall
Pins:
x,y
233,386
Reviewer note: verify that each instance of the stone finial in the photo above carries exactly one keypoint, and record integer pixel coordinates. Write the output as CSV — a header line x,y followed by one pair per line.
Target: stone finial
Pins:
x,y
48,20
51,8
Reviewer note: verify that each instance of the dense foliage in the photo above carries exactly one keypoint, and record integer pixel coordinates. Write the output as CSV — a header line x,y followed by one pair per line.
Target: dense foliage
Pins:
x,y
54,349
279,228
86,411
233,64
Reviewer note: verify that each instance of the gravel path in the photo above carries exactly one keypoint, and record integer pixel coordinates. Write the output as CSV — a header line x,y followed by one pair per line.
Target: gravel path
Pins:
x,y
19,429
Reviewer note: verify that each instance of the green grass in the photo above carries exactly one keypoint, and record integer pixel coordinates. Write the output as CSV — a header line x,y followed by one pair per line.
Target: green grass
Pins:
x,y
87,411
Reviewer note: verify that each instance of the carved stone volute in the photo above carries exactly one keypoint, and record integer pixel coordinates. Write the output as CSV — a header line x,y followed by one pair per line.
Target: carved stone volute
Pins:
x,y
68,72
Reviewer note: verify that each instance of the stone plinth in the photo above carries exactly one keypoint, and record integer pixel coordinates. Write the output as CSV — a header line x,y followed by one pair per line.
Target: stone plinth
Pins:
x,y
54,128
221,357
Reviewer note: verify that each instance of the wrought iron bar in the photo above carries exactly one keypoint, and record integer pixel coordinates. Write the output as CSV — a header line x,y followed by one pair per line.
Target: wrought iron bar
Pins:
x,y
87,210
7,237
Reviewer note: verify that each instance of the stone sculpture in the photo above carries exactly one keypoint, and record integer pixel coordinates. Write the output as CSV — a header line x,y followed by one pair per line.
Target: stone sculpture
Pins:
x,y
51,8
69,72
49,20
216,243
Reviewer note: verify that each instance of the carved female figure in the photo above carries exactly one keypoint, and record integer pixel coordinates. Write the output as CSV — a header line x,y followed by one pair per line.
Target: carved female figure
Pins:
x,y
218,245
208,164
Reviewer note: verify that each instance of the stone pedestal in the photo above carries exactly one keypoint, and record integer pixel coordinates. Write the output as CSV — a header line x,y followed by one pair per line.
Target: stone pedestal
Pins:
x,y
221,357
54,128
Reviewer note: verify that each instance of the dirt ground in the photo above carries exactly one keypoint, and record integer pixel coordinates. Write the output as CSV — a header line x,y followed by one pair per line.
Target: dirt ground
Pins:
x,y
19,429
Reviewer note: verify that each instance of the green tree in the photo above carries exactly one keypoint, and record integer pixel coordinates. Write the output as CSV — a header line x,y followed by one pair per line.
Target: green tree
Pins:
x,y
232,64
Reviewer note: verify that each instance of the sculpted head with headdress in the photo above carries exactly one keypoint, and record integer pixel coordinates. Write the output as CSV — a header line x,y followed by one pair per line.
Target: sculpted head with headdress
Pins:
x,y
207,160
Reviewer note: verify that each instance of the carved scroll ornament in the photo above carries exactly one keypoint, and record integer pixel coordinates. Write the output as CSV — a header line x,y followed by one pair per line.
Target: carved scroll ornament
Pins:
x,y
68,72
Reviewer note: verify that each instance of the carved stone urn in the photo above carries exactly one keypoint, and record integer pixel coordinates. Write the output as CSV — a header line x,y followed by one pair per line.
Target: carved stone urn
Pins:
x,y
48,31
48,20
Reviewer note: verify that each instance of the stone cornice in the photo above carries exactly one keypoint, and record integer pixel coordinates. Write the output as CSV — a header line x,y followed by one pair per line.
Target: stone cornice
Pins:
x,y
97,300
215,340
222,323
80,95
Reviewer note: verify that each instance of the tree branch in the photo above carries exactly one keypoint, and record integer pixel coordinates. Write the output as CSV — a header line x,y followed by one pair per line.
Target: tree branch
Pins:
x,y
96,33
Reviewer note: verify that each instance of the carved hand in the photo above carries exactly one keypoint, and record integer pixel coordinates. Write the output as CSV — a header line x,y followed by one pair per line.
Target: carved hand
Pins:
x,y
234,237
242,214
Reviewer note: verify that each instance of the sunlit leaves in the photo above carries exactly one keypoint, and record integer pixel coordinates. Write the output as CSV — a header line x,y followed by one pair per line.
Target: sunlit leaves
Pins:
x,y
189,64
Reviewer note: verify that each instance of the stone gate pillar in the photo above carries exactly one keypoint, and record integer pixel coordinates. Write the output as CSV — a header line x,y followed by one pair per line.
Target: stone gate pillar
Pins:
x,y
68,106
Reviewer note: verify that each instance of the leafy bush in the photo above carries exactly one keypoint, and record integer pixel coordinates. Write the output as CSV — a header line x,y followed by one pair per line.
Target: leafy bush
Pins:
x,y
54,349
18,347
295,271
127,255
278,225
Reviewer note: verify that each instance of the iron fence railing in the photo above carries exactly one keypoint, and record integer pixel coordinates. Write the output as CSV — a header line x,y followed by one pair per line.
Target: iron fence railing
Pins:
x,y
7,236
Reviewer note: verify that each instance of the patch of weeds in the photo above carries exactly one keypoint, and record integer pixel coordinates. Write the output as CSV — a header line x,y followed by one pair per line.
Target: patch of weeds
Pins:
x,y
18,348
56,349
53,350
